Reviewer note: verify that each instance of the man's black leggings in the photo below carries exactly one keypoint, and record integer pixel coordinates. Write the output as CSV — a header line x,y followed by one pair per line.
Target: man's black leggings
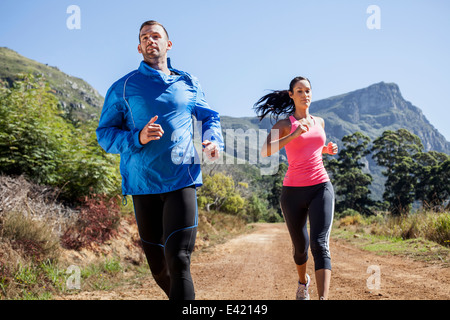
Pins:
x,y
318,202
167,226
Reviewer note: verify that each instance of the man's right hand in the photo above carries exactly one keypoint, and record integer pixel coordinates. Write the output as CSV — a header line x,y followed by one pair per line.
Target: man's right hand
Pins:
x,y
151,131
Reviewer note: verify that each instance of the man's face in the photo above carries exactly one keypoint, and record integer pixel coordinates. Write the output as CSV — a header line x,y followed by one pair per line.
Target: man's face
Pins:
x,y
154,43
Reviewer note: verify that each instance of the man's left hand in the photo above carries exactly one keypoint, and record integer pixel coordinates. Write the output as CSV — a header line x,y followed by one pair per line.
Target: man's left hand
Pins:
x,y
211,150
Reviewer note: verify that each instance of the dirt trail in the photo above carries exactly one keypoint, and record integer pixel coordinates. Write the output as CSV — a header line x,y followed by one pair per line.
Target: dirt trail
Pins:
x,y
259,265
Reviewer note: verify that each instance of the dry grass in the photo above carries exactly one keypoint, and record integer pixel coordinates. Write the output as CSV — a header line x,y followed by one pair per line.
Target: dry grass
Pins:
x,y
39,203
424,224
32,224
351,220
215,227
32,239
35,230
429,225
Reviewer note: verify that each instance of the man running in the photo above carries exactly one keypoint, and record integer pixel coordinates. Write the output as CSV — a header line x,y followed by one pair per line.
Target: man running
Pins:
x,y
147,119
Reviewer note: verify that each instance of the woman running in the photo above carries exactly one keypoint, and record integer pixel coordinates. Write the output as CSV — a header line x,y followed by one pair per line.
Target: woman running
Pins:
x,y
307,189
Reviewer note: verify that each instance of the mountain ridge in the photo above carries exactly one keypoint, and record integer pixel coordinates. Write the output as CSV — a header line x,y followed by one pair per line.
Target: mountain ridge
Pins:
x,y
375,109
79,100
371,110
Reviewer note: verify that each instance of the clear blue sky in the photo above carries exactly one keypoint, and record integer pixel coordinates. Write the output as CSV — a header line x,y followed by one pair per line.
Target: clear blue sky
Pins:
x,y
239,49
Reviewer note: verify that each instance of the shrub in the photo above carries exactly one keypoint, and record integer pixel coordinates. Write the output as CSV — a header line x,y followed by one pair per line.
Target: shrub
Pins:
x,y
37,141
423,224
440,231
233,204
347,212
350,220
350,217
256,208
97,222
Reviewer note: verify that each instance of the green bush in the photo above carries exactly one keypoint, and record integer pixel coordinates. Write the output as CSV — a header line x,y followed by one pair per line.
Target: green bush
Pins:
x,y
347,212
256,208
233,204
37,141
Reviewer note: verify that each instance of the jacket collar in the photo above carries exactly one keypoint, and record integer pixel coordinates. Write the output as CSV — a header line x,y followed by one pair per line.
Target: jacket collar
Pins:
x,y
145,69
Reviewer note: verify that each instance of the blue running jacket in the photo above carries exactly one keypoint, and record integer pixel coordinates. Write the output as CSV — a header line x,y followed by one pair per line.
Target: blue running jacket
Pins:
x,y
172,162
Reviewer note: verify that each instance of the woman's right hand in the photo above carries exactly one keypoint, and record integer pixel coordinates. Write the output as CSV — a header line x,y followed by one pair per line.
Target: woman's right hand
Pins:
x,y
301,129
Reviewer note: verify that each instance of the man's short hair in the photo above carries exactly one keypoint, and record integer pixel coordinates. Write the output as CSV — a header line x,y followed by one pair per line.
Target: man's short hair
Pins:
x,y
152,23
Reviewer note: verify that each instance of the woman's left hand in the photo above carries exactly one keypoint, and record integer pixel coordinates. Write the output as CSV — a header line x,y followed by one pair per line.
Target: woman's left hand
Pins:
x,y
331,148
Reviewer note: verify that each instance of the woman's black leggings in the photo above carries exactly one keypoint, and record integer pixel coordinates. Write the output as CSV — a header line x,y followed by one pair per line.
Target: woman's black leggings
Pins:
x,y
167,226
318,202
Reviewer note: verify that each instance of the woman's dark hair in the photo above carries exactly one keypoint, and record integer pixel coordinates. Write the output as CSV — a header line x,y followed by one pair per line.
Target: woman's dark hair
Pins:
x,y
278,102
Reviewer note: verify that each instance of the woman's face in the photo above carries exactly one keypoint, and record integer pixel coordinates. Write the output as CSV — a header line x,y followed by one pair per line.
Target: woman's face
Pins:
x,y
301,94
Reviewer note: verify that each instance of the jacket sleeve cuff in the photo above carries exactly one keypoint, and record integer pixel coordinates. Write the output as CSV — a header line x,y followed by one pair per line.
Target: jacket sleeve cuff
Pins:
x,y
136,143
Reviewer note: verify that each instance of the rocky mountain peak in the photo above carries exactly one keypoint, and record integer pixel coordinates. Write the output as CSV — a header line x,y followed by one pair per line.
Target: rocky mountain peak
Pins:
x,y
374,109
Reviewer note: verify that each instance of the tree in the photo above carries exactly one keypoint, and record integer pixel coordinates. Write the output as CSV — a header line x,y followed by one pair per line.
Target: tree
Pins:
x,y
396,150
433,174
257,208
351,183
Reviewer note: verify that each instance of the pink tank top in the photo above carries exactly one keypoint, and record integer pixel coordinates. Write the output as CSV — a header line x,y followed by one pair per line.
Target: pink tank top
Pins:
x,y
304,155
